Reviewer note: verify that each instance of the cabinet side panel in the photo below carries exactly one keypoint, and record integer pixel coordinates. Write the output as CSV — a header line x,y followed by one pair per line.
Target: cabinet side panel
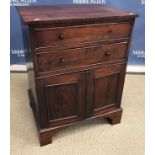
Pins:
x,y
29,63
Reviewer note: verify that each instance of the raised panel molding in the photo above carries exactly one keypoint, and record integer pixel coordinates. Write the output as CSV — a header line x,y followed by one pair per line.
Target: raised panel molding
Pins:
x,y
59,100
108,85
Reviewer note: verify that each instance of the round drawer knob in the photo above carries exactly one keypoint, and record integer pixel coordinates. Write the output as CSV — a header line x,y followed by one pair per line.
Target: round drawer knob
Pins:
x,y
62,60
109,31
107,53
61,36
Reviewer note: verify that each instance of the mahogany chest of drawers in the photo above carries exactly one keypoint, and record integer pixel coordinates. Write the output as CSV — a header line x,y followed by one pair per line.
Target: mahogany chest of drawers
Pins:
x,y
76,59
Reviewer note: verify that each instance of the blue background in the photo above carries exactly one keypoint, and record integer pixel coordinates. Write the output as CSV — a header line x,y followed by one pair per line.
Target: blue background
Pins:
x,y
137,50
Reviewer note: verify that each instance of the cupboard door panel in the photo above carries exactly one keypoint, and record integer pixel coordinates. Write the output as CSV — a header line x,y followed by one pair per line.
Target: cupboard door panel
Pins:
x,y
107,89
62,98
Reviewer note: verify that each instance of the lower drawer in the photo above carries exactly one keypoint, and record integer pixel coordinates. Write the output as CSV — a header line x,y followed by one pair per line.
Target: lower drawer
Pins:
x,y
81,56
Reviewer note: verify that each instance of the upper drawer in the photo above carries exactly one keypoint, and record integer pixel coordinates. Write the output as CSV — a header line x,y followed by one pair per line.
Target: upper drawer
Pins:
x,y
74,35
81,57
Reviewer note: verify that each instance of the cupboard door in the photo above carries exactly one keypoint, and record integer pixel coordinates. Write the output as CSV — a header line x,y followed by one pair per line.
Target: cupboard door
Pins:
x,y
106,89
62,99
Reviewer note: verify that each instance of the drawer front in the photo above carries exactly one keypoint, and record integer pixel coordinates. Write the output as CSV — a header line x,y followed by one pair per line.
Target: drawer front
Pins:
x,y
81,56
69,36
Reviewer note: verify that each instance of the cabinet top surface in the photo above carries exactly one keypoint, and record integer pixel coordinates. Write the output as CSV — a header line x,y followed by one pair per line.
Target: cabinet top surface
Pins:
x,y
70,13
